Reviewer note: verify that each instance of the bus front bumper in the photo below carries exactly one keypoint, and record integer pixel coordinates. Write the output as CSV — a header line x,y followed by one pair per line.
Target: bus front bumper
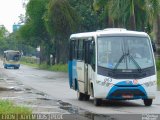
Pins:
x,y
127,93
12,65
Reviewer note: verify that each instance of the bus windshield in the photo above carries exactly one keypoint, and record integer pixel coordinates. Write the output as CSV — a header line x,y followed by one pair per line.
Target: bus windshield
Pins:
x,y
121,52
15,56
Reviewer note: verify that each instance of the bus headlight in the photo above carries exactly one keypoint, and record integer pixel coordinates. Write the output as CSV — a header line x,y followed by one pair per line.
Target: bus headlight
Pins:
x,y
150,83
104,83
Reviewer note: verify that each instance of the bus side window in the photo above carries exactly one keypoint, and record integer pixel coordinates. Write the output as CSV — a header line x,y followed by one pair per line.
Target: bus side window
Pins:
x,y
71,50
80,50
92,53
76,49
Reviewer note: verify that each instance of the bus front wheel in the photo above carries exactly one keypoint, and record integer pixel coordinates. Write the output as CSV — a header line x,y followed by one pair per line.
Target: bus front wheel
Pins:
x,y
86,97
147,102
16,67
80,96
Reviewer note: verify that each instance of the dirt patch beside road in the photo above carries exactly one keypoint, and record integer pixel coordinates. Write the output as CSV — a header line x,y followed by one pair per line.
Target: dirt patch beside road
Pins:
x,y
39,102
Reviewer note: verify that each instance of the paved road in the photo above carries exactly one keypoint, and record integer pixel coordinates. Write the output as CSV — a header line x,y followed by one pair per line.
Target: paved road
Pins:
x,y
56,85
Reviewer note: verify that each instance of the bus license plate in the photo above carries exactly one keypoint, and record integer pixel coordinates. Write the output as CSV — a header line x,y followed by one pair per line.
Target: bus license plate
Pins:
x,y
127,96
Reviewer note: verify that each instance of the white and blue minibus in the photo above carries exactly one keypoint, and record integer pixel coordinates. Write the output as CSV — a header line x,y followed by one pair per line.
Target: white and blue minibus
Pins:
x,y
11,58
112,64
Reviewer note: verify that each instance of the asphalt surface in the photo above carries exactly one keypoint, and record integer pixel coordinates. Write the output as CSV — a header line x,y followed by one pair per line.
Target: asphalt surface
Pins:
x,y
55,84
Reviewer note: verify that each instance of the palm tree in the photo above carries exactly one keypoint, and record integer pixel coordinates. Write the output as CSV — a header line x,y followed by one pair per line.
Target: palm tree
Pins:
x,y
103,6
153,10
133,14
121,12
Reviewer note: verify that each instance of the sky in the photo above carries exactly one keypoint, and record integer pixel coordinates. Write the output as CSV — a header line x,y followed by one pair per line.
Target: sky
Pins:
x,y
9,12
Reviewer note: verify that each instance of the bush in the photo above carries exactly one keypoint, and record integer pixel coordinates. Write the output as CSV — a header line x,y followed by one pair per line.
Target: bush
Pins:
x,y
7,107
158,65
32,60
56,67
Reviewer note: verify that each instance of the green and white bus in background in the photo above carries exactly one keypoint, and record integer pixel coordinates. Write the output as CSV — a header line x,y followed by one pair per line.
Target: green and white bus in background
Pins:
x,y
11,59
112,64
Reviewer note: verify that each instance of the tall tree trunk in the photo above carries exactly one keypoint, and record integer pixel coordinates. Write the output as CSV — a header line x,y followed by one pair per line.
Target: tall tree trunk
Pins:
x,y
132,17
110,23
42,54
158,30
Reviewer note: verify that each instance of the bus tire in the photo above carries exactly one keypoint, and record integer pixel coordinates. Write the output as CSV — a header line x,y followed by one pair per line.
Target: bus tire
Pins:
x,y
80,96
147,102
97,102
86,97
16,67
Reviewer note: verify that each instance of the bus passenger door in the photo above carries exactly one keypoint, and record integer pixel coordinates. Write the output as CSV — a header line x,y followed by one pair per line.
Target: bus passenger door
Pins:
x,y
87,69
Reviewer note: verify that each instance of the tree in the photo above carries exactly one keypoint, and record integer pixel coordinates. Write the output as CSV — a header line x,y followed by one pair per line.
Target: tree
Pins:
x,y
61,21
34,31
153,10
3,34
88,18
131,14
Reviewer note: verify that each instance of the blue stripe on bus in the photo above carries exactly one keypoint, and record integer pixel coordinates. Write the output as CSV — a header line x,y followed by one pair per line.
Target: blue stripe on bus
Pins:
x,y
70,73
73,74
136,87
11,65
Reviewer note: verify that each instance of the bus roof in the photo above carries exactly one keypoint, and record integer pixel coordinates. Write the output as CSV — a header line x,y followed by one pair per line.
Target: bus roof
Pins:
x,y
109,32
10,51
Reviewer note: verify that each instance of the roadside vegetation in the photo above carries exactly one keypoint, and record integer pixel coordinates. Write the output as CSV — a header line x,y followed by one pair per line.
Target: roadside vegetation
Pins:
x,y
55,68
7,107
158,79
33,62
30,61
158,72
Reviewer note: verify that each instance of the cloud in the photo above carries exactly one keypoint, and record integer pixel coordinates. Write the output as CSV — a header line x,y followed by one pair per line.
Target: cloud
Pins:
x,y
9,12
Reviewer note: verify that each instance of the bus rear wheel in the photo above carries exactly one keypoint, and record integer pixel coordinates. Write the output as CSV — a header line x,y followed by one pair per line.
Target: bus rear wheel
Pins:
x,y
86,97
97,102
147,102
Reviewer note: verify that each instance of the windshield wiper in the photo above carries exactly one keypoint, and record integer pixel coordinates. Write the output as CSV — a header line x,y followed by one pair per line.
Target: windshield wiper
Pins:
x,y
134,61
120,60
125,55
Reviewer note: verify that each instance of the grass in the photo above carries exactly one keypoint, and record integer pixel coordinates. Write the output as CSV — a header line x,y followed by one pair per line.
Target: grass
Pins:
x,y
7,107
31,61
158,78
158,72
30,64
56,68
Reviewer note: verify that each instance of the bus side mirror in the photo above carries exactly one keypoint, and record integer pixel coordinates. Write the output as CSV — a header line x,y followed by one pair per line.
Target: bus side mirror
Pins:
x,y
154,46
